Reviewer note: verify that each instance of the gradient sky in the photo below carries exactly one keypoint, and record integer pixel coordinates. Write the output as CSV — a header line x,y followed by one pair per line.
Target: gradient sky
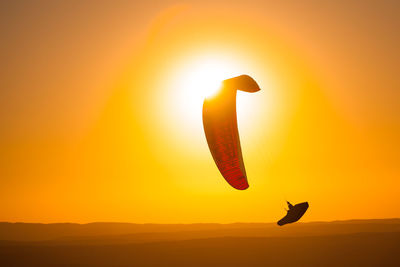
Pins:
x,y
95,127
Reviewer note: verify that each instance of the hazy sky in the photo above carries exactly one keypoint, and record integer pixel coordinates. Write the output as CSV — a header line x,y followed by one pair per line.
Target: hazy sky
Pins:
x,y
95,124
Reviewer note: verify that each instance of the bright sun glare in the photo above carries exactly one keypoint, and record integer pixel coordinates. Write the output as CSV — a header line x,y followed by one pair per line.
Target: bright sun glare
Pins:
x,y
198,78
203,78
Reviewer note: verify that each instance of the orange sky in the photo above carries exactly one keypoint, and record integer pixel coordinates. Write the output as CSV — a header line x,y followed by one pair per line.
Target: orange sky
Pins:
x,y
94,126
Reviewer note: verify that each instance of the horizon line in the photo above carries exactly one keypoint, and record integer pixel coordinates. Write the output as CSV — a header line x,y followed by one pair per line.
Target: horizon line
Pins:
x,y
229,223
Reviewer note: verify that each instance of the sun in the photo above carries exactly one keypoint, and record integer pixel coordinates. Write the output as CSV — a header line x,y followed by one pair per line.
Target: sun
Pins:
x,y
190,80
200,78
203,78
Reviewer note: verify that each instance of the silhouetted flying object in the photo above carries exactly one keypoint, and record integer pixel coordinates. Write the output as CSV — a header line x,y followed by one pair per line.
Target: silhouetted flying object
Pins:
x,y
294,213
221,130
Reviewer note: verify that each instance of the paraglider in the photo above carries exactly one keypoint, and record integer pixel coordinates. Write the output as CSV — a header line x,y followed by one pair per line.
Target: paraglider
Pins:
x,y
221,130
294,213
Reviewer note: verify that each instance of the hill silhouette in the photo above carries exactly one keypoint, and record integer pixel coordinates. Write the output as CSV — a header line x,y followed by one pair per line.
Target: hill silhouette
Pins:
x,y
348,243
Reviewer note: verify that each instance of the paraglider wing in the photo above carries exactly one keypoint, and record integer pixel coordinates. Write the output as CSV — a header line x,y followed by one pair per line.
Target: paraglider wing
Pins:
x,y
221,130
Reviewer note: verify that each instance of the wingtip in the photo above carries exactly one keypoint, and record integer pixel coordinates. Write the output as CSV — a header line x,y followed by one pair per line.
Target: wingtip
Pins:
x,y
243,83
241,186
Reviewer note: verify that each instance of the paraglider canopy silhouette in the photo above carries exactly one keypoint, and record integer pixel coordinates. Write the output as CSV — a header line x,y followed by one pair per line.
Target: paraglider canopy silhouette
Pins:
x,y
294,213
221,130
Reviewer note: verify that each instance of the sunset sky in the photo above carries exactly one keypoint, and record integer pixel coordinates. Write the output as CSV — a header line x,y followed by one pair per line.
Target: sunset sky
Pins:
x,y
100,109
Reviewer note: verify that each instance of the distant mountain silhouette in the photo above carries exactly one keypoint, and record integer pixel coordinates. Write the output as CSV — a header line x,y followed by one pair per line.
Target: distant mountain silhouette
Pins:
x,y
102,230
339,243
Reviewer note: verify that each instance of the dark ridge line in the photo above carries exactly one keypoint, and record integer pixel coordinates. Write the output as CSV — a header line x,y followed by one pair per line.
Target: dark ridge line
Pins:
x,y
194,224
